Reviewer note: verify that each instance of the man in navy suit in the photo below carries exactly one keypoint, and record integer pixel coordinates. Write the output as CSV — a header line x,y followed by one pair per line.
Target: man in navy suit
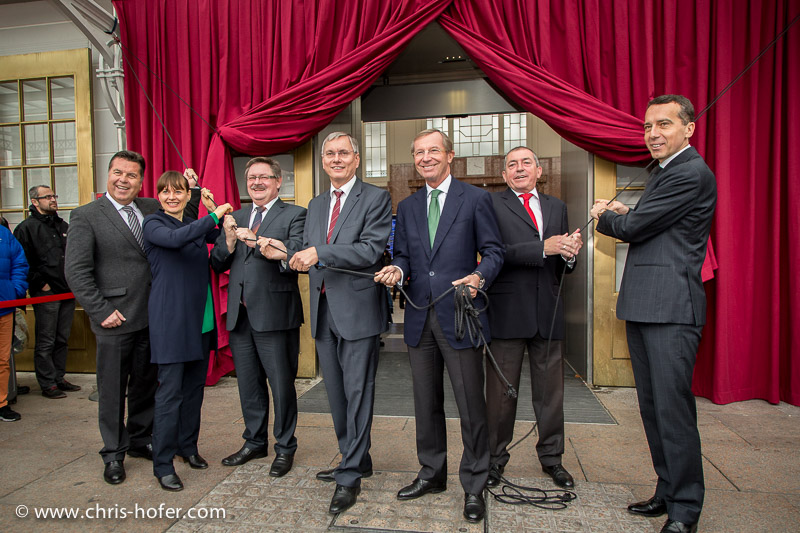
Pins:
x,y
535,235
439,232
347,227
664,305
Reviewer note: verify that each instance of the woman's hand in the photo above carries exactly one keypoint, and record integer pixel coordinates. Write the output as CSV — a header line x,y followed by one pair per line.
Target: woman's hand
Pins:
x,y
223,210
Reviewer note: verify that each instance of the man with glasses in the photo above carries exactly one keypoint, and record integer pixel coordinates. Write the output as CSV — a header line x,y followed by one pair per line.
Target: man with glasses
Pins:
x,y
348,227
43,236
264,313
440,231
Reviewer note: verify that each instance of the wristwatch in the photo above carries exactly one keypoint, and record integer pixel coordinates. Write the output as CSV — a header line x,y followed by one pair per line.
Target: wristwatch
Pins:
x,y
482,281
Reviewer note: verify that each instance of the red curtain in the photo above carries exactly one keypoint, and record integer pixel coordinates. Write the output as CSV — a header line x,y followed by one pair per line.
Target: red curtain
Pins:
x,y
269,75
579,65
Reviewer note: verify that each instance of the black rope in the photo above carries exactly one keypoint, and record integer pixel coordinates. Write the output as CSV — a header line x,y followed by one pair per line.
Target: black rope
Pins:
x,y
549,499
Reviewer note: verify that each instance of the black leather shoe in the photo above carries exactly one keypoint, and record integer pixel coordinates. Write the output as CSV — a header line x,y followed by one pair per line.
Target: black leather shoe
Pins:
x,y
196,462
328,475
171,482
653,507
67,386
495,472
420,487
145,452
114,473
244,455
673,526
343,499
281,465
23,389
560,476
474,507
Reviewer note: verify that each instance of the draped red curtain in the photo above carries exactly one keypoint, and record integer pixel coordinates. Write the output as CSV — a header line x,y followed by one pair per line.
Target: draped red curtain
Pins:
x,y
588,69
269,75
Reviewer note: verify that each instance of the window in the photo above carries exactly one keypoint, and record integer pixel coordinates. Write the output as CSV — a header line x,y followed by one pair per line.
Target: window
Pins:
x,y
45,130
483,135
375,149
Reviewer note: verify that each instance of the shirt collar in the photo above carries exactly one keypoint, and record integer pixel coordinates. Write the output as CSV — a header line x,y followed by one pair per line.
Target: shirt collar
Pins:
x,y
268,205
533,191
443,186
346,188
118,206
673,156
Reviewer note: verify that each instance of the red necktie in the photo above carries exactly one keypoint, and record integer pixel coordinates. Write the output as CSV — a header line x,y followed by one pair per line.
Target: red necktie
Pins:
x,y
525,199
334,215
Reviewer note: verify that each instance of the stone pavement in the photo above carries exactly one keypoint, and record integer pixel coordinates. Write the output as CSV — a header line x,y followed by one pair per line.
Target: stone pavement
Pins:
x,y
49,461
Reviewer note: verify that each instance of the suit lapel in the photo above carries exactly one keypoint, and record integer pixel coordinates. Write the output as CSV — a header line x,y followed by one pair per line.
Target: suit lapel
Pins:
x,y
452,204
547,209
325,215
419,212
271,214
349,205
515,206
115,219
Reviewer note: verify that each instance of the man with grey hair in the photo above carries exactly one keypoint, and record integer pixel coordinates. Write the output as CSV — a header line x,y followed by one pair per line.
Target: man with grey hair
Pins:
x,y
43,236
347,227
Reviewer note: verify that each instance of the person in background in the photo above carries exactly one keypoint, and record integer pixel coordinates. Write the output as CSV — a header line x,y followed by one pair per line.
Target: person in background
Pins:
x,y
43,236
181,314
13,285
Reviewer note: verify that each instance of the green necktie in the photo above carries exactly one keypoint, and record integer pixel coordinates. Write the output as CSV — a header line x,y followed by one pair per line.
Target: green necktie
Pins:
x,y
433,215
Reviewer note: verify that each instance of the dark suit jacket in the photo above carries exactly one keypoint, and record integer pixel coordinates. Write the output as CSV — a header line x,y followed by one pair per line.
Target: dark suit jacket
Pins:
x,y
106,268
467,226
667,231
270,290
178,258
523,297
357,243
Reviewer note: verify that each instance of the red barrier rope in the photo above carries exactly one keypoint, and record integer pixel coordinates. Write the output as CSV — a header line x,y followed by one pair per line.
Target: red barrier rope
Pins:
x,y
37,300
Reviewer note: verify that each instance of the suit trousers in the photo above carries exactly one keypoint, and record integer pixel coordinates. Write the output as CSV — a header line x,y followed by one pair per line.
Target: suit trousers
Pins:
x,y
547,383
176,422
348,368
53,324
465,368
259,357
663,357
124,367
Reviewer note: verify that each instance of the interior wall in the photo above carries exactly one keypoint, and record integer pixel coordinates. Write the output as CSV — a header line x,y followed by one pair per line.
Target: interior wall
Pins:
x,y
577,186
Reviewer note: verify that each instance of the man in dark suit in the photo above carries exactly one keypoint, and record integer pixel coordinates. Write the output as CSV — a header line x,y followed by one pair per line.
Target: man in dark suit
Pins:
x,y
534,230
107,270
439,232
264,313
348,227
664,305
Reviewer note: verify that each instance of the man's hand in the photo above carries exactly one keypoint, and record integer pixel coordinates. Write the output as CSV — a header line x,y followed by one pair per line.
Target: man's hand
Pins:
x,y
388,275
247,236
269,249
114,320
229,227
303,260
565,245
46,287
600,206
618,207
473,280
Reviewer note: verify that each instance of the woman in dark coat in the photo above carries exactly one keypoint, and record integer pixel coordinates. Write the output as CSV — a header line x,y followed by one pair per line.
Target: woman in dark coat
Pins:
x,y
181,318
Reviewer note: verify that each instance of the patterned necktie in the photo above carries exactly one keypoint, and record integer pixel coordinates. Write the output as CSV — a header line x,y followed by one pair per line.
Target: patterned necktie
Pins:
x,y
433,215
134,225
526,202
335,214
257,219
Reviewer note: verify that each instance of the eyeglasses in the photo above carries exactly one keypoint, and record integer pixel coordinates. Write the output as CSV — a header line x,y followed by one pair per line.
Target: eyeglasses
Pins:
x,y
262,178
423,153
343,154
46,197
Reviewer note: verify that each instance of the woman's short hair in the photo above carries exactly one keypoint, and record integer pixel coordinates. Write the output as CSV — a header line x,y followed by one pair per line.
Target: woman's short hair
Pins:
x,y
174,179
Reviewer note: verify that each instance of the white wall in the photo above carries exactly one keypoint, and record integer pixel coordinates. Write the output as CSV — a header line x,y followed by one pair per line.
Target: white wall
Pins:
x,y
29,27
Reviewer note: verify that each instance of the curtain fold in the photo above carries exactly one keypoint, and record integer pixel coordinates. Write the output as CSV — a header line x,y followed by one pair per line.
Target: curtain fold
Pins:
x,y
268,75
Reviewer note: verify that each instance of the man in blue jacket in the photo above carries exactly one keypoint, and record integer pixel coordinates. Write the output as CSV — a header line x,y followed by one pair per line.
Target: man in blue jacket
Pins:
x,y
13,284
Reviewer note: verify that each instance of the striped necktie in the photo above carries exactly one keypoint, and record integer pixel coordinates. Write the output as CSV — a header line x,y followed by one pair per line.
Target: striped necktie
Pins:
x,y
335,215
134,225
